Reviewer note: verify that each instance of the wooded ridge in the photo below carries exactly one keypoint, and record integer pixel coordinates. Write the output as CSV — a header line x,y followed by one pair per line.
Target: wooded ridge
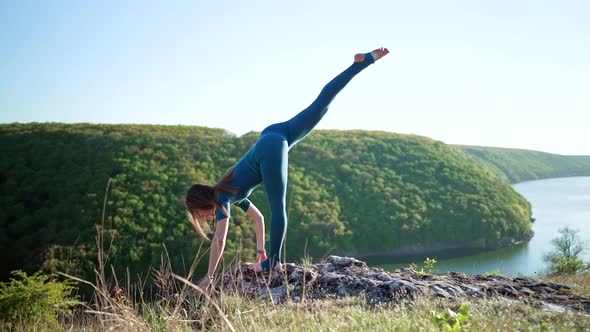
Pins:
x,y
349,191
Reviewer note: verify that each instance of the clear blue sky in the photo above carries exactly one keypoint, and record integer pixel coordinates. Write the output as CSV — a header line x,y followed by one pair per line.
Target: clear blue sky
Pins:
x,y
496,73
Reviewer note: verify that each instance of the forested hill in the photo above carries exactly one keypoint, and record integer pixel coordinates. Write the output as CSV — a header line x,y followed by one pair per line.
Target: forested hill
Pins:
x,y
355,192
515,165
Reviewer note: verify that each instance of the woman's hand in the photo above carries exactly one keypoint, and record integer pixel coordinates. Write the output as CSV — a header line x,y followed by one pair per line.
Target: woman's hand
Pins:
x,y
260,256
217,246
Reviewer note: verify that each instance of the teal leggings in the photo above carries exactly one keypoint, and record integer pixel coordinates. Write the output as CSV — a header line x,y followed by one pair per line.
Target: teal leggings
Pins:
x,y
272,153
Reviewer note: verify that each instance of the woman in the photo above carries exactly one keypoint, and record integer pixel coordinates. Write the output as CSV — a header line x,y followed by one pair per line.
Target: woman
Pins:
x,y
266,162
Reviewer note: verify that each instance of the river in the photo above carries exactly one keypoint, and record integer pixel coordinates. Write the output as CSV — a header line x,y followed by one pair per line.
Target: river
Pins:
x,y
556,203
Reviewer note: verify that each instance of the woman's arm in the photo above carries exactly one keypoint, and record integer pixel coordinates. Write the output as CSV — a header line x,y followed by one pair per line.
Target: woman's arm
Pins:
x,y
217,246
258,220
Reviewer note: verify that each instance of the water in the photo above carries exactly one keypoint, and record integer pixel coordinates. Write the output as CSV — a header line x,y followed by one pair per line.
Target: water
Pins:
x,y
556,203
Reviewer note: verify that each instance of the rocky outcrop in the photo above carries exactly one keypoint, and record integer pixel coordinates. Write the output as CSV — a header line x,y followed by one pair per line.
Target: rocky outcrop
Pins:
x,y
336,277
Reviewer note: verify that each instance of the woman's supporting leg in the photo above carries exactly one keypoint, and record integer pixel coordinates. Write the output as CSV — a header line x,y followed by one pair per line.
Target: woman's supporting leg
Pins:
x,y
300,125
274,167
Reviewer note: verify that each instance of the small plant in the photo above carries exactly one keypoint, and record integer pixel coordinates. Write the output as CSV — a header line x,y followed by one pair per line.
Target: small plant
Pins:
x,y
543,326
35,300
307,261
450,320
428,265
495,272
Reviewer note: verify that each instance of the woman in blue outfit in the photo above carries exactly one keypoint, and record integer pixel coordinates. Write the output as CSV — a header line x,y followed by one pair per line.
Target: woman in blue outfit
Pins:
x,y
265,163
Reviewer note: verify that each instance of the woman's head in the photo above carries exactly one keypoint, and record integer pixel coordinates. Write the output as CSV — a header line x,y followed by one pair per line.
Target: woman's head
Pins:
x,y
201,200
200,203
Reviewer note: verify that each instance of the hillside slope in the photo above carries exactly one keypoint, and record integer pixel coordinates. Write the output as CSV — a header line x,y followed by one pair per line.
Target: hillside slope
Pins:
x,y
349,191
517,165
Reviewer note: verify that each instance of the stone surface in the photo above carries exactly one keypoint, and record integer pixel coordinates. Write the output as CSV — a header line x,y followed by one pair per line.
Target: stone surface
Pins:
x,y
336,277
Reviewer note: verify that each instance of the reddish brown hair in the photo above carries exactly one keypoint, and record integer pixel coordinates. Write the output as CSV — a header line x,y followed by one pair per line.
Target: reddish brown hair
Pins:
x,y
201,196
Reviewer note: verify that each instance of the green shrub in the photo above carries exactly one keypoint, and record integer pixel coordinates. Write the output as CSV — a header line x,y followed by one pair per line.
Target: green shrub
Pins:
x,y
35,300
565,257
566,265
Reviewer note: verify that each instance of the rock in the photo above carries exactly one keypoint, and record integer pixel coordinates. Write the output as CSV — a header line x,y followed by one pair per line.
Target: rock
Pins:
x,y
336,276
344,261
400,289
277,293
527,282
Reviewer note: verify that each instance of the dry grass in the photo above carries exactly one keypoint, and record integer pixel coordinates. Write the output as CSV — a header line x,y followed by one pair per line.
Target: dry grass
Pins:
x,y
580,283
348,314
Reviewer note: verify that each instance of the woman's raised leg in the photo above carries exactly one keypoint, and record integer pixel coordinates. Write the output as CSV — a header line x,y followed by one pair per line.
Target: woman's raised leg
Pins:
x,y
274,149
300,125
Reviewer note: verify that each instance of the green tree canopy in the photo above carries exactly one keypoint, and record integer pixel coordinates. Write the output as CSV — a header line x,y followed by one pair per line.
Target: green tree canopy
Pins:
x,y
350,192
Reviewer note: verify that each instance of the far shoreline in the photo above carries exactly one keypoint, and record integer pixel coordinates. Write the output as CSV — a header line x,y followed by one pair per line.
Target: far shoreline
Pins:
x,y
412,254
417,254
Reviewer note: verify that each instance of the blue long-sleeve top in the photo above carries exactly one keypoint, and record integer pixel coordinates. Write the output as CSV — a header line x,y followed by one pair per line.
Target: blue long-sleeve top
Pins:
x,y
246,178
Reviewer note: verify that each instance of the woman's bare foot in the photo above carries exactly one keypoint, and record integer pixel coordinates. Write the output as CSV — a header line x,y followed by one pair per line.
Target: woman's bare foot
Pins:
x,y
257,267
377,54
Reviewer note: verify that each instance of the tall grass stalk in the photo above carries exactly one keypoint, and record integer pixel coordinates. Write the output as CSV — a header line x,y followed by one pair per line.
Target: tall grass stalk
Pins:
x,y
204,293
